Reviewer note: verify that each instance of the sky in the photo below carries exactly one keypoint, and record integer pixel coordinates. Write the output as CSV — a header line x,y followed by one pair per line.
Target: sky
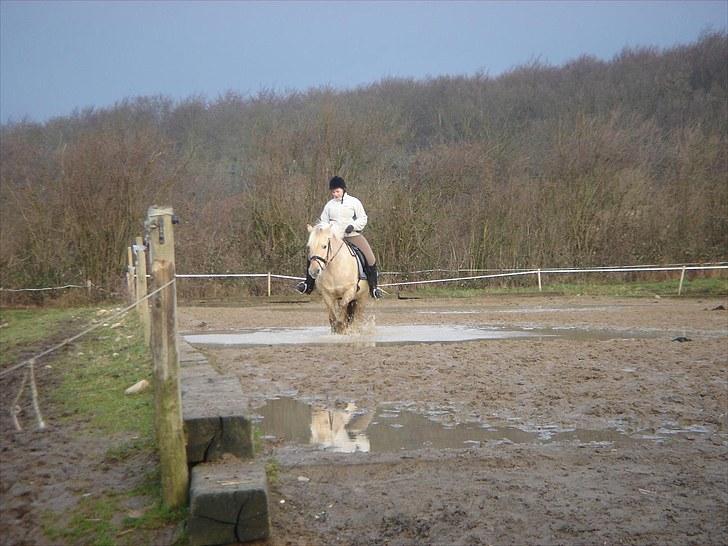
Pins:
x,y
60,56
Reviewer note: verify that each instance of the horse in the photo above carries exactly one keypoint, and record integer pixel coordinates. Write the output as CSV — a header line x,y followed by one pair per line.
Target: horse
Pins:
x,y
334,267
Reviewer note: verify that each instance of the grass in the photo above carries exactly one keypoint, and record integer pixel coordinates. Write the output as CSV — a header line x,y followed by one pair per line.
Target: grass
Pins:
x,y
21,328
90,378
697,287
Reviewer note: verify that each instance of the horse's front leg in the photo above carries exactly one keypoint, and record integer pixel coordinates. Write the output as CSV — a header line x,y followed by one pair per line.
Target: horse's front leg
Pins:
x,y
336,321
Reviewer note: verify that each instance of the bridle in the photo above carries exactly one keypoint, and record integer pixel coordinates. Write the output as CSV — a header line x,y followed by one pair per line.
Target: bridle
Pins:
x,y
323,262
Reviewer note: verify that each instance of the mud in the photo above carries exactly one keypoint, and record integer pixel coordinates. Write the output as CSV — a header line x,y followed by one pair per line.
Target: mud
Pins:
x,y
667,485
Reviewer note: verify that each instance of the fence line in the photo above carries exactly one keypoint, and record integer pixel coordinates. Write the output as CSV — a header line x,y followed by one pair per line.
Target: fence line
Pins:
x,y
42,289
233,275
30,362
472,270
540,272
509,271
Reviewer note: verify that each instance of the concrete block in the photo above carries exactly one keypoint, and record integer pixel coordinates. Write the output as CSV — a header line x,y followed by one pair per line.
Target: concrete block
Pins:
x,y
216,416
228,503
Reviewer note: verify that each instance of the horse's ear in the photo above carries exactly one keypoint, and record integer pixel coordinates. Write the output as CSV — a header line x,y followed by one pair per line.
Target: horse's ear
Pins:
x,y
309,227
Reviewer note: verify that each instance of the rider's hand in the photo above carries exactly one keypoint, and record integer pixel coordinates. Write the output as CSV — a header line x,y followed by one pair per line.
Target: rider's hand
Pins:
x,y
349,229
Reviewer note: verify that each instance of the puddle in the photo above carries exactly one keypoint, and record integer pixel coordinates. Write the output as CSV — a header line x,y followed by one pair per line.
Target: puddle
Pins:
x,y
407,334
347,429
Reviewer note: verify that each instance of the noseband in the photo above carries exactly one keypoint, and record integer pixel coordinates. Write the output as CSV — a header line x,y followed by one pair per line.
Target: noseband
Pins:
x,y
322,261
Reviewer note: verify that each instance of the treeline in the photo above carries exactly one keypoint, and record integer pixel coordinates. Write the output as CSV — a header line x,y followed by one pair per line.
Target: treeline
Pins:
x,y
589,163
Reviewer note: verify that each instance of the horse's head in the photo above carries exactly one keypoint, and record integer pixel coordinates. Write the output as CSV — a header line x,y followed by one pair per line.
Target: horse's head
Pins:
x,y
319,246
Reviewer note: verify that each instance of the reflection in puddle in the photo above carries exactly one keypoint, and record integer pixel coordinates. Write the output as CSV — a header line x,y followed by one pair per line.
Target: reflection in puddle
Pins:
x,y
404,334
345,429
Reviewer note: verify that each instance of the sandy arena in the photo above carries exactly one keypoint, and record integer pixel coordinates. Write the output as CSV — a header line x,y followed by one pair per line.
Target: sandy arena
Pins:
x,y
661,477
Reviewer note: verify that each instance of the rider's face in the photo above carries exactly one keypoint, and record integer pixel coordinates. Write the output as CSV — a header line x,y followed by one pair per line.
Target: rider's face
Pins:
x,y
337,193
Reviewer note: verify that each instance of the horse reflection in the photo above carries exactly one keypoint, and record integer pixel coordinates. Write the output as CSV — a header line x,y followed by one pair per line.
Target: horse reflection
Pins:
x,y
340,429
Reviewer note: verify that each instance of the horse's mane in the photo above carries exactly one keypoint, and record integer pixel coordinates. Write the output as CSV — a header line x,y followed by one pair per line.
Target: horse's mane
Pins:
x,y
333,229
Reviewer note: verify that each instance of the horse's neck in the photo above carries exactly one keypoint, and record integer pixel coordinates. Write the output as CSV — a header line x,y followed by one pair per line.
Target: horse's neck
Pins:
x,y
338,262
336,246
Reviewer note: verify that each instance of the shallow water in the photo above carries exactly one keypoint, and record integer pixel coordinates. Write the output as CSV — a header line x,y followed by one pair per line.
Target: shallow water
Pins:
x,y
347,429
406,334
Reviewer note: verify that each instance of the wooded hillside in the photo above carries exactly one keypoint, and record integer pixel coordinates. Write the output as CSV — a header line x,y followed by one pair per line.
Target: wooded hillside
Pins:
x,y
590,163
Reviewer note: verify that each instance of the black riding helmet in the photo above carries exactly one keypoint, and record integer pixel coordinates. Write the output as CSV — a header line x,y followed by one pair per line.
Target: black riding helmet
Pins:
x,y
337,182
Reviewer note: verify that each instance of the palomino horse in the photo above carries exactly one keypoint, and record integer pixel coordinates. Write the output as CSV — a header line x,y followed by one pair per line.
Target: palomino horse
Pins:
x,y
336,271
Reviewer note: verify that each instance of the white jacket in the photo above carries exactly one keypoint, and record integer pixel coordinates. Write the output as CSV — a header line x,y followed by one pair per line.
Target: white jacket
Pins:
x,y
344,212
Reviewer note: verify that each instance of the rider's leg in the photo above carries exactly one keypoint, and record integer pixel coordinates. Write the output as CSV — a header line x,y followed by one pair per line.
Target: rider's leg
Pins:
x,y
306,287
372,279
371,268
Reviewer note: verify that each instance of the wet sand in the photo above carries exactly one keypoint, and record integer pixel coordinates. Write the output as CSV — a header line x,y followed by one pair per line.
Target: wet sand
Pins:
x,y
660,487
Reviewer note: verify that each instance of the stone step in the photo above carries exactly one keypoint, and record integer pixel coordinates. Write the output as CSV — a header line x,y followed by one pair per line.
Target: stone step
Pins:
x,y
228,503
214,410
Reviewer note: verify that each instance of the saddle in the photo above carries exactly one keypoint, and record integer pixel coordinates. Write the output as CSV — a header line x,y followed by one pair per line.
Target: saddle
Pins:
x,y
361,261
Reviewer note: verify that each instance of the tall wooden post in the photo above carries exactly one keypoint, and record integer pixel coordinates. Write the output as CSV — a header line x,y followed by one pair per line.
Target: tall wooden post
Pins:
x,y
167,395
161,233
142,306
130,291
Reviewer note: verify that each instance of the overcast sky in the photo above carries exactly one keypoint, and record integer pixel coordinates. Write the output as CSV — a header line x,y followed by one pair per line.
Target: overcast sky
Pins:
x,y
59,56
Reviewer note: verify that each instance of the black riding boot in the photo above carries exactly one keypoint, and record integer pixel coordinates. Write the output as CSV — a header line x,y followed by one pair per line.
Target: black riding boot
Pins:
x,y
306,287
372,277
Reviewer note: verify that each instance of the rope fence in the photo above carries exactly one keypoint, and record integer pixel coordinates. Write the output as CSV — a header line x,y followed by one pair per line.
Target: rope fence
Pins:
x,y
683,268
539,272
29,374
503,272
29,364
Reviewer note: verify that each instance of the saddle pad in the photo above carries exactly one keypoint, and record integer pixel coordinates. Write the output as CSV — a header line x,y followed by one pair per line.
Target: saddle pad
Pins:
x,y
360,260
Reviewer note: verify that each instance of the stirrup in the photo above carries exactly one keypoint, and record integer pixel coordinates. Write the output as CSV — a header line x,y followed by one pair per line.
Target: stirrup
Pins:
x,y
377,293
301,287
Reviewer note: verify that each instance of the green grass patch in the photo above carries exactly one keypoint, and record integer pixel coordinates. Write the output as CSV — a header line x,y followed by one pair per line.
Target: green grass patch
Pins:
x,y
694,288
272,471
97,370
24,328
88,383
90,523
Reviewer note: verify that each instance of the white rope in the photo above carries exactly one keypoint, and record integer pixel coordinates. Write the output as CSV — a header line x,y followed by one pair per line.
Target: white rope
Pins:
x,y
552,271
460,278
234,275
40,289
34,393
15,408
6,371
607,268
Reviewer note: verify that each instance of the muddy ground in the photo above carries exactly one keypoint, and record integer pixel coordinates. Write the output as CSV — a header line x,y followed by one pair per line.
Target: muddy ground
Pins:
x,y
664,480
652,485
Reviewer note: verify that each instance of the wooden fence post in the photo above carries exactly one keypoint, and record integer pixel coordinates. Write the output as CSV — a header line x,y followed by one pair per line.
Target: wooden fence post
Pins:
x,y
142,305
161,233
269,284
682,278
130,289
540,289
167,395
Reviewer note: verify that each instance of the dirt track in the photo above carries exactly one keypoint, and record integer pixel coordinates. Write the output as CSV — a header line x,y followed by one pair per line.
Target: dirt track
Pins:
x,y
658,487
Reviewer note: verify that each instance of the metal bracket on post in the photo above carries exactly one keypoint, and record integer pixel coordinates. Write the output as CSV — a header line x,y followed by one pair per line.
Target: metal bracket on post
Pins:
x,y
161,244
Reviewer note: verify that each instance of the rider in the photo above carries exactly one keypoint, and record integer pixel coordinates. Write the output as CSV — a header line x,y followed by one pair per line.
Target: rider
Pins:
x,y
347,211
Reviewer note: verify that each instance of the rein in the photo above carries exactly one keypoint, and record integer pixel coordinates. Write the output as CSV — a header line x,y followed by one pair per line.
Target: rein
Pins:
x,y
323,262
